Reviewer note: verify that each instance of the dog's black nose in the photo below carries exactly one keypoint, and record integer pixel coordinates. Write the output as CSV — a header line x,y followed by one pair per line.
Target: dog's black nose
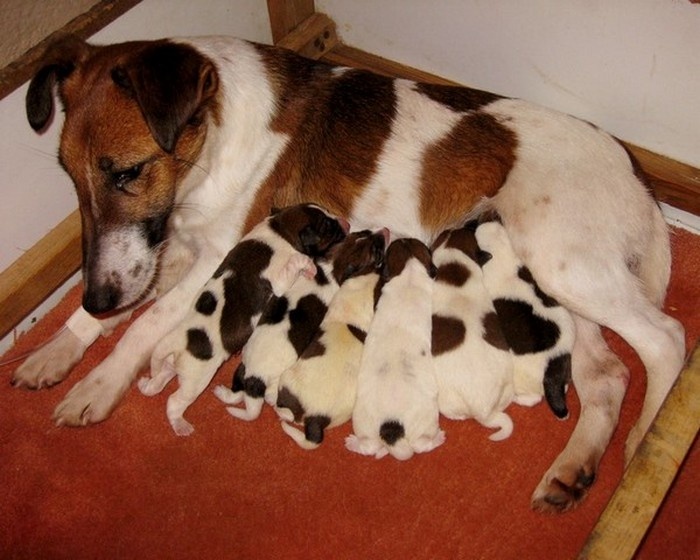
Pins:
x,y
101,299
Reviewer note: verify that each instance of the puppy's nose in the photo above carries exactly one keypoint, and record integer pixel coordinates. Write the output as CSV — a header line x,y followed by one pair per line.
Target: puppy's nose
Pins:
x,y
101,299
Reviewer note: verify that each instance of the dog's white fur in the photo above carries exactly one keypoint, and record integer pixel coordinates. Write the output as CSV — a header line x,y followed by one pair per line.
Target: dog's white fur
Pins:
x,y
501,280
171,357
396,382
474,379
572,205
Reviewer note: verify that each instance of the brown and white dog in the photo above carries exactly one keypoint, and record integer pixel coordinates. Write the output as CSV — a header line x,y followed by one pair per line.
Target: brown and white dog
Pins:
x,y
396,410
265,263
177,148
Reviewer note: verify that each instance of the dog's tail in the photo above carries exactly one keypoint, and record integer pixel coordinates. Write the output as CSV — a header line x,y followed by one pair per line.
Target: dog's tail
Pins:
x,y
501,421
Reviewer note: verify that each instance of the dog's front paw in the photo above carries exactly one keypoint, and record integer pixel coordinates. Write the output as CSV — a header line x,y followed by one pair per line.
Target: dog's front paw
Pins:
x,y
563,488
90,401
51,363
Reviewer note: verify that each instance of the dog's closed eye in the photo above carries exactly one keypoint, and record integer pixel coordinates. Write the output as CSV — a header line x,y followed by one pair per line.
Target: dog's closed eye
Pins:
x,y
122,178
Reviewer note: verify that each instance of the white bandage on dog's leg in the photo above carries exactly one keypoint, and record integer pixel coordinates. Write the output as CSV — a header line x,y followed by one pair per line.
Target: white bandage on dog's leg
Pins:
x,y
84,326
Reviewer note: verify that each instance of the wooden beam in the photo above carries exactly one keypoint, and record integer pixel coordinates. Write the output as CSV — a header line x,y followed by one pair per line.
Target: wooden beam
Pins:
x,y
101,14
626,519
38,272
285,15
312,38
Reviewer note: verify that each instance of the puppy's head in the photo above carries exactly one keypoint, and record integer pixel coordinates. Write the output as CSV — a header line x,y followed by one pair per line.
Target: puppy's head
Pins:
x,y
136,116
360,253
308,228
400,252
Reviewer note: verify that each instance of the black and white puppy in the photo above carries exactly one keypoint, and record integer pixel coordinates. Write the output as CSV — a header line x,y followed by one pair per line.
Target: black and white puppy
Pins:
x,y
319,390
396,410
472,362
264,263
539,332
288,325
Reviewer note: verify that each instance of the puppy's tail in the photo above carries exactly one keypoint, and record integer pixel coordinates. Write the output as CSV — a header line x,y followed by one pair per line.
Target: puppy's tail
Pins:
x,y
556,378
501,421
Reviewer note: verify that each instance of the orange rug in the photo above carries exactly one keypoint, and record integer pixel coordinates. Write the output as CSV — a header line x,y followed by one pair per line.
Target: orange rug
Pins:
x,y
129,488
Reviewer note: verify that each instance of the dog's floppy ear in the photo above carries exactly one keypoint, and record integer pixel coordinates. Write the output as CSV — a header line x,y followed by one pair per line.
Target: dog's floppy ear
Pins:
x,y
171,83
59,61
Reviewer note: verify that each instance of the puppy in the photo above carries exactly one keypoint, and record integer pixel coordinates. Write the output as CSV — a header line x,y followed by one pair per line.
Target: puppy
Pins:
x,y
289,323
539,332
265,263
397,409
472,362
319,390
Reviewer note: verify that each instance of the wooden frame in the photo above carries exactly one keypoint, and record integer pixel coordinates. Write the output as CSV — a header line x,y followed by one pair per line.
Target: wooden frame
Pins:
x,y
296,25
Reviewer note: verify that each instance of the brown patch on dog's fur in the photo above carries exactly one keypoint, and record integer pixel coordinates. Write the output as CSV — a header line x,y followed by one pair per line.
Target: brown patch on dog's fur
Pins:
x,y
334,154
452,273
400,252
493,333
447,333
480,170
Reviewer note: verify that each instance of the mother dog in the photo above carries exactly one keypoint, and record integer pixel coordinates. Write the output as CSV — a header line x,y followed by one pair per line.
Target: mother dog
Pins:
x,y
178,148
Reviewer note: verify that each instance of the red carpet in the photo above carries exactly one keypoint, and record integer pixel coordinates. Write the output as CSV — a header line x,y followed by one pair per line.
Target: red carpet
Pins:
x,y
129,488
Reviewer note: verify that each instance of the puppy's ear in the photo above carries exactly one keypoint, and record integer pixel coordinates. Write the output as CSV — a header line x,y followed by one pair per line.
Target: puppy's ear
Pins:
x,y
432,270
172,83
482,257
274,210
309,239
58,63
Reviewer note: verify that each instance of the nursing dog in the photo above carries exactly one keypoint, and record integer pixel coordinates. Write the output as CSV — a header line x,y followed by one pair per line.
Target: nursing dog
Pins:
x,y
289,324
319,390
265,263
539,332
396,410
177,148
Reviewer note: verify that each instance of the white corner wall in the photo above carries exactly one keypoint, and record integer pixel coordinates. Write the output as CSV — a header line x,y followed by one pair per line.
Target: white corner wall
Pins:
x,y
629,66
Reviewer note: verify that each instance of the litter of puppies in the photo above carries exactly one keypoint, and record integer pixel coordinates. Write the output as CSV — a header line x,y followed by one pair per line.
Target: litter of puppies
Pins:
x,y
387,335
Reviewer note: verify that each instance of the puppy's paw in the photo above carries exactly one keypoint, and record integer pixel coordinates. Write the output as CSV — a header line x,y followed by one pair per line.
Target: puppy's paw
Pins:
x,y
51,363
227,396
563,488
181,426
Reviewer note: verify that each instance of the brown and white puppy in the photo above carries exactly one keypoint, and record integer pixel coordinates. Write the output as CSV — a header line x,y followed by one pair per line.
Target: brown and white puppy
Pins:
x,y
289,323
471,359
396,410
539,332
319,390
193,141
265,263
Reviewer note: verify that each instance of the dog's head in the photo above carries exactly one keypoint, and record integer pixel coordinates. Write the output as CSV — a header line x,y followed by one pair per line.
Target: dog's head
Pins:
x,y
401,252
136,116
308,228
360,253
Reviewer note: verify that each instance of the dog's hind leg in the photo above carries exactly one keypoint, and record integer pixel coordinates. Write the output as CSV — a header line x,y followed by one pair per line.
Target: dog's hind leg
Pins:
x,y
251,411
601,380
192,384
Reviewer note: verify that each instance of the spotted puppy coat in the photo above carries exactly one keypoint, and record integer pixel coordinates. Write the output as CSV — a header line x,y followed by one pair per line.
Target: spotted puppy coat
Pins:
x,y
265,263
539,332
319,390
396,410
473,365
288,325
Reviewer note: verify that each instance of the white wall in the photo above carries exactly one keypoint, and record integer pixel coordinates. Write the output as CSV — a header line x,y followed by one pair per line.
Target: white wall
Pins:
x,y
630,66
36,193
